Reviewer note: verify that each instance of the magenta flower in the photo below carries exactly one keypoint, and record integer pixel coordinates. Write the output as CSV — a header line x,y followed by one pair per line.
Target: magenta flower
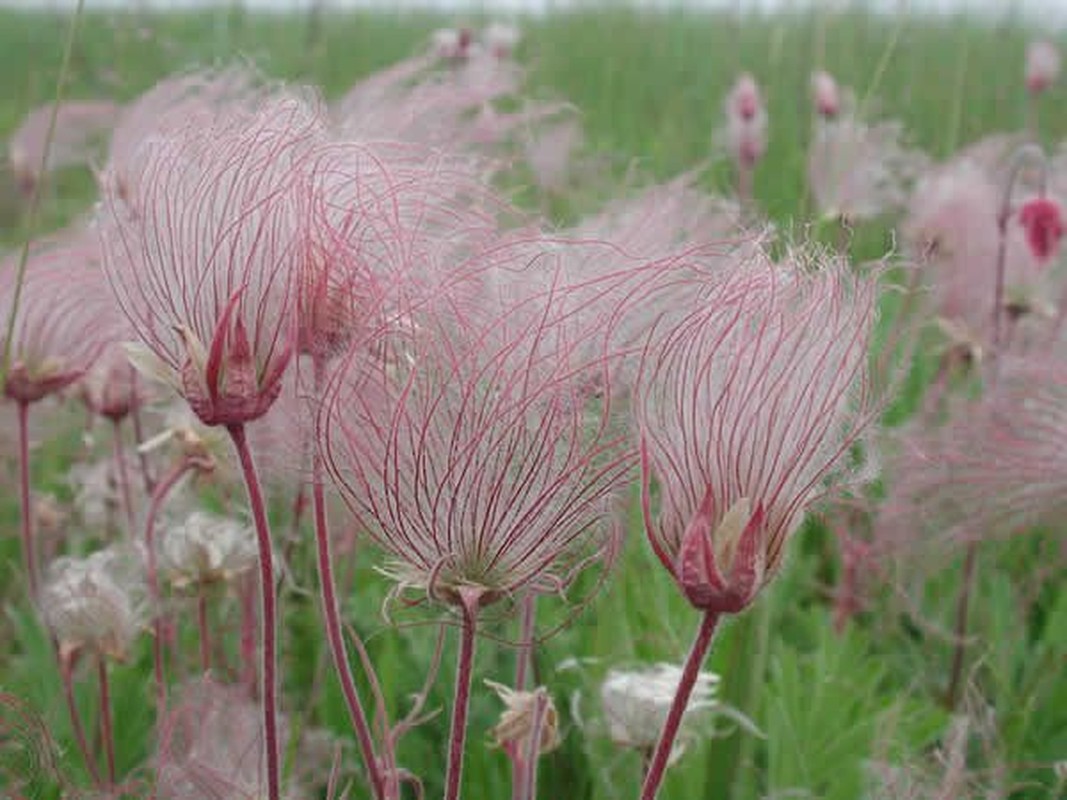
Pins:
x,y
205,271
745,405
1042,221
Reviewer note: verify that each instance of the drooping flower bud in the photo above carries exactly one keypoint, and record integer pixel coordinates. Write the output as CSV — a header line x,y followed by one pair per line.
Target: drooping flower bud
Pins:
x,y
1042,221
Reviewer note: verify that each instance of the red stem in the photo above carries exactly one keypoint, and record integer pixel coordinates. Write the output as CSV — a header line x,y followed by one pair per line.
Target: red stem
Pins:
x,y
268,598
525,655
332,617
963,605
29,552
461,700
67,674
138,437
249,675
657,769
106,730
201,621
163,488
123,476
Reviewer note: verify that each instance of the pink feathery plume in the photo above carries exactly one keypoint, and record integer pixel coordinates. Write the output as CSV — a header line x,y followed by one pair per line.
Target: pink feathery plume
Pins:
x,y
1042,66
205,272
549,150
744,135
65,316
996,468
211,746
501,39
859,170
667,218
826,96
80,133
478,459
746,403
953,231
415,102
175,103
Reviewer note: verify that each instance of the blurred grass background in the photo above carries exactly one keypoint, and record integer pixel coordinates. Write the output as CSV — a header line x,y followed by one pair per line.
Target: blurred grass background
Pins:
x,y
650,89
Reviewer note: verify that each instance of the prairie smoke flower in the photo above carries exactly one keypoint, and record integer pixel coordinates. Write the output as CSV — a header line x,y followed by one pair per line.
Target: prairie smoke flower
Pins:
x,y
953,230
516,726
452,44
205,272
80,132
825,95
481,462
1042,66
1042,220
96,493
111,388
211,745
745,134
549,152
96,604
206,549
858,170
501,39
173,104
745,405
65,316
997,467
635,705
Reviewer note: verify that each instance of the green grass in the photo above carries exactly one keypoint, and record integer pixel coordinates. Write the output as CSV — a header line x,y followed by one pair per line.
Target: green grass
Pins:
x,y
649,87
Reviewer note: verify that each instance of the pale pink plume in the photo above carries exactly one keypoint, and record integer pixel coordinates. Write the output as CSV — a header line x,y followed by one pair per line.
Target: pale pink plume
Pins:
x,y
745,132
112,388
481,460
953,231
825,95
550,149
452,44
175,103
414,102
747,401
388,223
80,135
997,467
671,217
859,170
205,271
211,746
1042,65
65,316
501,39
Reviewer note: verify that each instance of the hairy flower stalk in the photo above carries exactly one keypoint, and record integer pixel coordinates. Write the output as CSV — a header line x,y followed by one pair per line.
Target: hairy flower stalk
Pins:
x,y
56,322
477,453
203,265
745,405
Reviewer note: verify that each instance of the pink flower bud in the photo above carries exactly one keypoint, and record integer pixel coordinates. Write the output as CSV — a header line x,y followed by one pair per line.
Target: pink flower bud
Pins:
x,y
825,94
1042,66
1042,221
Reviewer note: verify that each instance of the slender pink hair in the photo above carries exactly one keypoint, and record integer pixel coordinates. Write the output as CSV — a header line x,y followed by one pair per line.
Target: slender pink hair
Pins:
x,y
745,403
205,270
477,457
65,316
80,133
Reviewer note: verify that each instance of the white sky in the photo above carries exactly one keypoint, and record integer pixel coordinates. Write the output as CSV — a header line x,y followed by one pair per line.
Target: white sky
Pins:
x,y
1043,12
